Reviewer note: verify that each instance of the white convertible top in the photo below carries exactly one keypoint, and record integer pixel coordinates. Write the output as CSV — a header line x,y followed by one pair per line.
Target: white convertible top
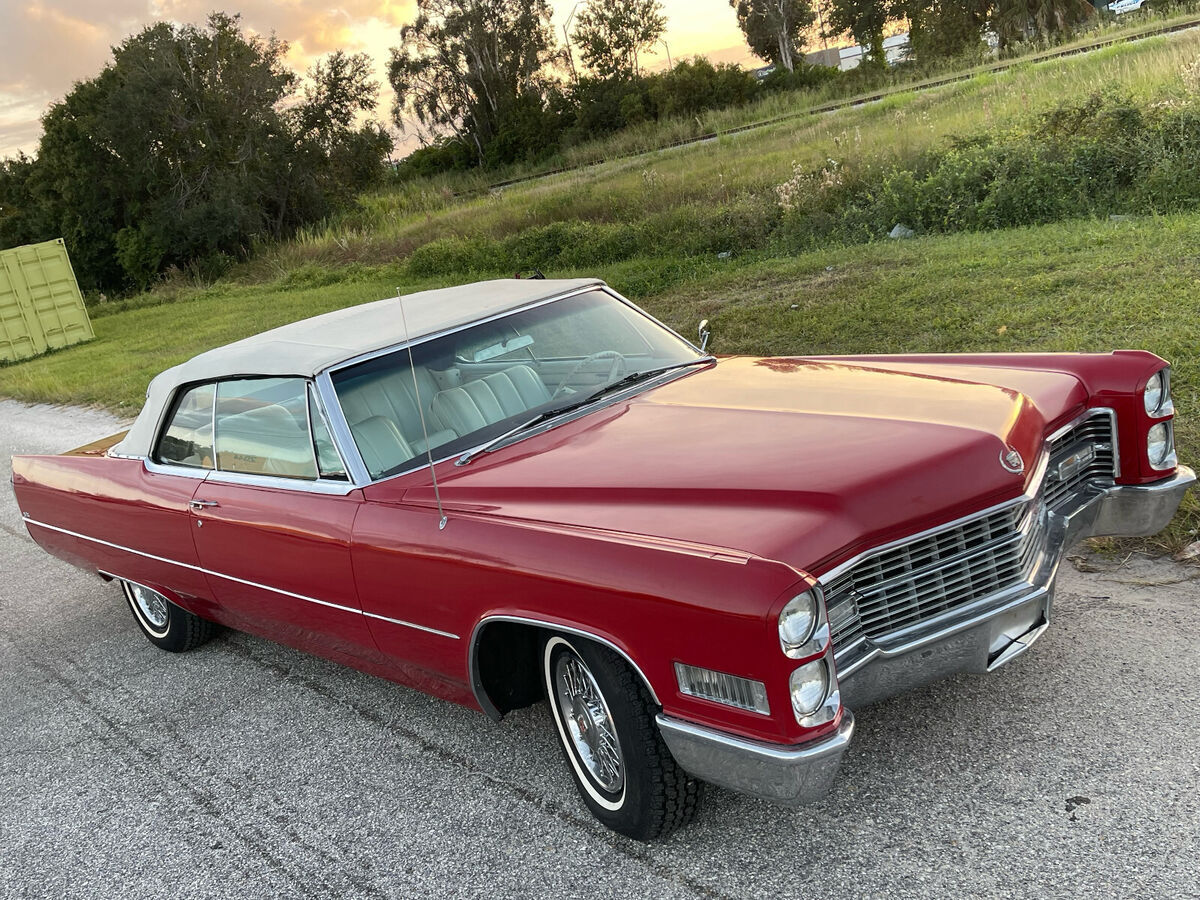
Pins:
x,y
310,346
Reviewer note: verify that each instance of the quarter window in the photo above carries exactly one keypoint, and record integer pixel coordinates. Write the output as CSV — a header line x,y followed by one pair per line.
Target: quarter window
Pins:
x,y
262,428
188,440
329,462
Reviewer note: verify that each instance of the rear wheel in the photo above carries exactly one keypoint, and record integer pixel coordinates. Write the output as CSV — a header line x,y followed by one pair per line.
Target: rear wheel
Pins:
x,y
605,720
166,625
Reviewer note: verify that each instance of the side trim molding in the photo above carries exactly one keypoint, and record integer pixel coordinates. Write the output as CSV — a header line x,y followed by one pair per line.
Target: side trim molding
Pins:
x,y
255,584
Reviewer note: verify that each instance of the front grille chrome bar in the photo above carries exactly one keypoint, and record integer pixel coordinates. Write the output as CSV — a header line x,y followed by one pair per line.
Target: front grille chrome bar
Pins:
x,y
894,593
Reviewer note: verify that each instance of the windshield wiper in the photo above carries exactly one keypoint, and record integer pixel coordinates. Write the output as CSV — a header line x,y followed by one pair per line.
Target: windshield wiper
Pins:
x,y
631,378
635,377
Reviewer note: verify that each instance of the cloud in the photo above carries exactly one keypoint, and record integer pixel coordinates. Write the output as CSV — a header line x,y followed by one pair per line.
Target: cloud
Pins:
x,y
46,46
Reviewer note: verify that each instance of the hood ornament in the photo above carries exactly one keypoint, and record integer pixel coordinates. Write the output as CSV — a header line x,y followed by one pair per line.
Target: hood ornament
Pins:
x,y
1011,460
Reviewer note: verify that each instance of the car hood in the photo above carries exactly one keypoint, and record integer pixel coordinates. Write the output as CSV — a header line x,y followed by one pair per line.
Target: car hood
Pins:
x,y
801,460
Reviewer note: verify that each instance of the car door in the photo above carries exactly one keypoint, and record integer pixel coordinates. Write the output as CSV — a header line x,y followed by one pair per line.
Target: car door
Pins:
x,y
273,519
163,488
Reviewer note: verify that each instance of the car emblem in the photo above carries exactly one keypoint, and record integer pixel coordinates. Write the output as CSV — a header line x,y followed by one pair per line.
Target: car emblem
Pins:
x,y
1011,460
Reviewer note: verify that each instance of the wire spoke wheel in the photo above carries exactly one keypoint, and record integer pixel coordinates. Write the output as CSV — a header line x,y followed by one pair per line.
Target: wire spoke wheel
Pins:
x,y
150,606
589,722
167,625
604,714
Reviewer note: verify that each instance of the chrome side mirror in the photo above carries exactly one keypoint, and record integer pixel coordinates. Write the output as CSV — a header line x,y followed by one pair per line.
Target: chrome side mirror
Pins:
x,y
704,334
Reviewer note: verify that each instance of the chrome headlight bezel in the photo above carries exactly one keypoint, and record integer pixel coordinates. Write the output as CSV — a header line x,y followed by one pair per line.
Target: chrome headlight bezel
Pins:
x,y
809,688
1160,446
803,626
1156,394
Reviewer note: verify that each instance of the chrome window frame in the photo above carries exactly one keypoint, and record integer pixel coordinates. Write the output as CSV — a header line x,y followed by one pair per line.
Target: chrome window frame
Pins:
x,y
310,397
319,485
341,427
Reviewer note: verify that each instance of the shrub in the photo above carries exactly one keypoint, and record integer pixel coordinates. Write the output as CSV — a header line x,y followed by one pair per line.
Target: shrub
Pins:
x,y
1093,157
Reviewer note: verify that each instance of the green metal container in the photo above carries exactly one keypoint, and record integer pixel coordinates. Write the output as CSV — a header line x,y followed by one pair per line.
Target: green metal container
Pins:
x,y
41,307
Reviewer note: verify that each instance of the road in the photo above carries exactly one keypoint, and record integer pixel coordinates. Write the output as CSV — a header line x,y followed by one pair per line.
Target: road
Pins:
x,y
245,769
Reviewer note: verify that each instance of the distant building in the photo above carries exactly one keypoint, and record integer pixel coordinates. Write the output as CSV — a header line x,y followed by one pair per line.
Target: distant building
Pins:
x,y
895,49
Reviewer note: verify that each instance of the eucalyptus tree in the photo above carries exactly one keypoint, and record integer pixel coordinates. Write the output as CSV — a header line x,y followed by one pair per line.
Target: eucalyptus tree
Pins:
x,y
612,37
775,29
468,68
865,20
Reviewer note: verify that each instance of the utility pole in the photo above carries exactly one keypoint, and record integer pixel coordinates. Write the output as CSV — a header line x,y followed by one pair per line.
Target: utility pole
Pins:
x,y
567,38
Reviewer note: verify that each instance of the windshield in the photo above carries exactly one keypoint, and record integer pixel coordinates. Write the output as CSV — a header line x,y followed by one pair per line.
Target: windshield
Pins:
x,y
474,385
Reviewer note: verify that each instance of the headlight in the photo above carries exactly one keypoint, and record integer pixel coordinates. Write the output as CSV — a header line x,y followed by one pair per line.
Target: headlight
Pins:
x,y
803,630
797,620
1160,446
809,686
1156,396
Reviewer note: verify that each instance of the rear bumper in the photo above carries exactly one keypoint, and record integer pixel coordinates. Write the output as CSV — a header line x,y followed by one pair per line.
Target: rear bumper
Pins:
x,y
802,774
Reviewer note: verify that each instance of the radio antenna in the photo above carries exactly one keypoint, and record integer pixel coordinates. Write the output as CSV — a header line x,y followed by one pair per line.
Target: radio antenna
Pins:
x,y
437,494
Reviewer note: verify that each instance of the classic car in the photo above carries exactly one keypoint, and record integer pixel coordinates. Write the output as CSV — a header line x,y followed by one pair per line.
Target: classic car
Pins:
x,y
526,489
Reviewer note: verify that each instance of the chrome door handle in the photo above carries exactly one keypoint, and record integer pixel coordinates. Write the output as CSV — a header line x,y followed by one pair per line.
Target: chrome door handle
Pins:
x,y
200,504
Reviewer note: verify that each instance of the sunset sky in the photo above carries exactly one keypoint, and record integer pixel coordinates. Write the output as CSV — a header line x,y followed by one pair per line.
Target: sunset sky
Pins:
x,y
47,45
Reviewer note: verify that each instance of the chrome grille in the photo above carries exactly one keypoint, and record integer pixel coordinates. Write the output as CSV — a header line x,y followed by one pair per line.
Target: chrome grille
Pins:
x,y
1081,455
897,590
915,582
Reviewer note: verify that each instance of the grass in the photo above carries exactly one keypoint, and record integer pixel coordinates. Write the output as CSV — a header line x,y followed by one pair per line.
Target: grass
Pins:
x,y
1081,285
1077,286
651,136
732,176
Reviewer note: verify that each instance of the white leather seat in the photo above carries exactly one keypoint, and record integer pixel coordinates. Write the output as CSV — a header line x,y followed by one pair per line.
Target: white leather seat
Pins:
x,y
381,444
266,440
490,399
392,396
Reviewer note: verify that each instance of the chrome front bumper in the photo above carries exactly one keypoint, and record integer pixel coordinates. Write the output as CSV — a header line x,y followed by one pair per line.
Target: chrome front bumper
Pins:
x,y
801,774
1005,628
791,775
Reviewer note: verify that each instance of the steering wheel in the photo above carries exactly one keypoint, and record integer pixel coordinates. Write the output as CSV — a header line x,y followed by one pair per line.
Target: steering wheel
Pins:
x,y
616,369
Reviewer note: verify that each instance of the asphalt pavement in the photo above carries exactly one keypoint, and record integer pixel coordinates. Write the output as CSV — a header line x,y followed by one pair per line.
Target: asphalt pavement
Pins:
x,y
247,770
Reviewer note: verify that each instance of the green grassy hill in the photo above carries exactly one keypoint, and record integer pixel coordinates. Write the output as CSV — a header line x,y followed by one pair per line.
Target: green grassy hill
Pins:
x,y
653,227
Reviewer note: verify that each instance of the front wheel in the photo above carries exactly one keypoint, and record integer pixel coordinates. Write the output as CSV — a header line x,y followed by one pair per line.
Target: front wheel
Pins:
x,y
605,719
166,625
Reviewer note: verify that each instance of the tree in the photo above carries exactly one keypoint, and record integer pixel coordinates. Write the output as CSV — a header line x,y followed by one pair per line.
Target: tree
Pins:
x,y
865,20
945,28
191,145
468,66
1016,20
774,29
611,37
22,218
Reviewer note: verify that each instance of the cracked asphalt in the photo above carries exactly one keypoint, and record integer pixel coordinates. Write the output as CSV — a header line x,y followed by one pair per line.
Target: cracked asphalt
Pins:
x,y
248,770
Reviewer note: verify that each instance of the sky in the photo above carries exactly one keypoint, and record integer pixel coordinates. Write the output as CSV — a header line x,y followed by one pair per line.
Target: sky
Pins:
x,y
48,45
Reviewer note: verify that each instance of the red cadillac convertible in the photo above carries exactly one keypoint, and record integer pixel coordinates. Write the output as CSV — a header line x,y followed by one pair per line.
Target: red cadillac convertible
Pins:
x,y
513,490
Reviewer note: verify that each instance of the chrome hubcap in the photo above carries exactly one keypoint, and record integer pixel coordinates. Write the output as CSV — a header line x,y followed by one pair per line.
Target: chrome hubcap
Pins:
x,y
588,722
151,604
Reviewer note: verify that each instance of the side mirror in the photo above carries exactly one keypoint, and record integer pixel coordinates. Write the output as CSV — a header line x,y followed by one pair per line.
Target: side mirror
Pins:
x,y
704,334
